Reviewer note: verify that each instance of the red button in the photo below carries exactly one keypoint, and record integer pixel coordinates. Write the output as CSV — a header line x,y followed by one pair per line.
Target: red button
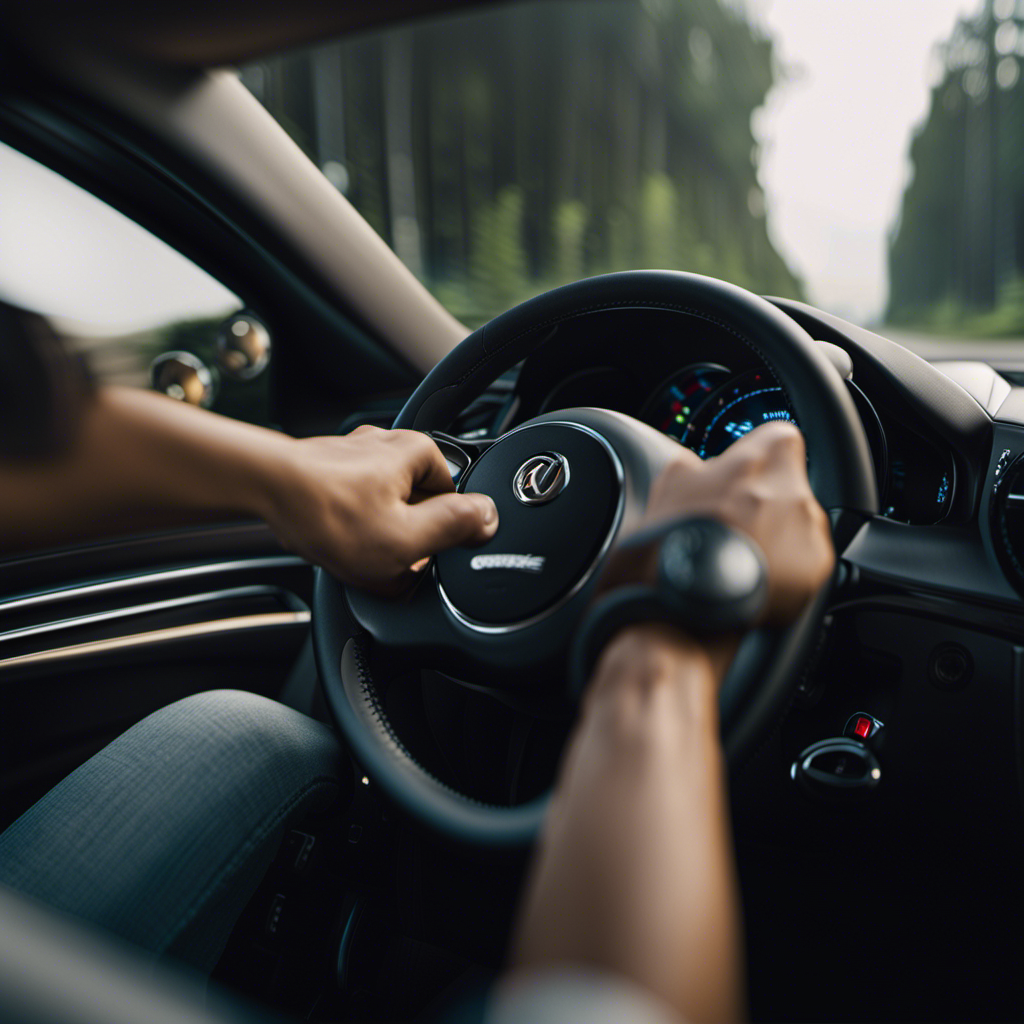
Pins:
x,y
863,727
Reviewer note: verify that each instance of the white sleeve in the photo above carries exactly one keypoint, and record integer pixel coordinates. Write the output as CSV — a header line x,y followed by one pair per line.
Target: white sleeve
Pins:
x,y
574,996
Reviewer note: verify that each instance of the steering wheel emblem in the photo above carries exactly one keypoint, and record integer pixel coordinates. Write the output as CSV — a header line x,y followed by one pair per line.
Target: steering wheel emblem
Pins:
x,y
541,478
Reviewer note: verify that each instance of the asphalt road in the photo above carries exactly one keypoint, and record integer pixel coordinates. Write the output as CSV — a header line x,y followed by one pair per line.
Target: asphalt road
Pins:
x,y
929,346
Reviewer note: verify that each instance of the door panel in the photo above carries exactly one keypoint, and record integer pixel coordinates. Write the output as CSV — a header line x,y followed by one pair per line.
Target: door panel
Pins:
x,y
94,638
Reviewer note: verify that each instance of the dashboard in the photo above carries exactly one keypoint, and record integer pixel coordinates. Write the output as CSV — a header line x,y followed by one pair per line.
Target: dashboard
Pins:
x,y
708,407
946,438
707,404
924,632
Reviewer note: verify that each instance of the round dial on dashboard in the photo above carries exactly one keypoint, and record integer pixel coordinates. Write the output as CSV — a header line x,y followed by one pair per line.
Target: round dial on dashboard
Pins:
x,y
746,402
678,401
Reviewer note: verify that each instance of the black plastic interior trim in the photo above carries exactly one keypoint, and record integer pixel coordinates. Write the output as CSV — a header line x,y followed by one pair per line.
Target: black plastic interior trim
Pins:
x,y
199,216
890,372
950,558
104,559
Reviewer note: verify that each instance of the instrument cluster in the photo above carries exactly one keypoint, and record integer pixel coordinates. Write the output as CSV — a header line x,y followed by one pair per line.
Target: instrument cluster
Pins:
x,y
707,407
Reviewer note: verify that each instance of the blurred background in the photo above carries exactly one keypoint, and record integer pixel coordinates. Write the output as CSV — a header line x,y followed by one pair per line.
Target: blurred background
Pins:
x,y
504,152
864,155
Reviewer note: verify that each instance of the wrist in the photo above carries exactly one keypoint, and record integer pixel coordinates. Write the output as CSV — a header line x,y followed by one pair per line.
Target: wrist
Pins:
x,y
656,654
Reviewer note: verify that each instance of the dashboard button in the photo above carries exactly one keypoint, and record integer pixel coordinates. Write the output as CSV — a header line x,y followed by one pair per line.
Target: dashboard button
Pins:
x,y
950,666
862,726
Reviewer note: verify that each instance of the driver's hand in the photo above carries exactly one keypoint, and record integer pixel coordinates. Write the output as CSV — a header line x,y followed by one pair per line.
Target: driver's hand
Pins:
x,y
372,504
758,485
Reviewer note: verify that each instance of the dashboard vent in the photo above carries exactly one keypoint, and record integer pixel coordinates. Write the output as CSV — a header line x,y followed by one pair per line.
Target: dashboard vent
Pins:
x,y
1008,517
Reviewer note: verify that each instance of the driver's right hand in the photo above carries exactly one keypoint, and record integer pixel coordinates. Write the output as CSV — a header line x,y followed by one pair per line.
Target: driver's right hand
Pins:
x,y
758,485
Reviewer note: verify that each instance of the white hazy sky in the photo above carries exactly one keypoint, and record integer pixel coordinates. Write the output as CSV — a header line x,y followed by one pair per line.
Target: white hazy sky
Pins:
x,y
68,255
836,135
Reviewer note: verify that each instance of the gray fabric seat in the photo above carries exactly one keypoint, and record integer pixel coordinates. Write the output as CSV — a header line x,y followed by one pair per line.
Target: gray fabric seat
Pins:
x,y
163,836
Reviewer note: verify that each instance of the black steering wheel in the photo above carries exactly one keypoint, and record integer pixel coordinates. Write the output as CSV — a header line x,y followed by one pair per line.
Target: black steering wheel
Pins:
x,y
566,485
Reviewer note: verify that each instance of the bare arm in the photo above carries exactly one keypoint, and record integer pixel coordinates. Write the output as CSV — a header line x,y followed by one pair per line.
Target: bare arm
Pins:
x,y
635,872
367,506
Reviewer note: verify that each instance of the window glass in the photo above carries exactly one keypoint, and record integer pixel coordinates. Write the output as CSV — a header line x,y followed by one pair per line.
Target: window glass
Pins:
x,y
508,151
111,288
862,155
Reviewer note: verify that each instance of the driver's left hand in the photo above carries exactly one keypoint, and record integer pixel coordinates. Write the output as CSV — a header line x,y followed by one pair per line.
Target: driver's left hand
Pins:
x,y
371,505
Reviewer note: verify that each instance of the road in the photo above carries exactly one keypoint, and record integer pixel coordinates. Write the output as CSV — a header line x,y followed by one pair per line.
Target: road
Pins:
x,y
1000,351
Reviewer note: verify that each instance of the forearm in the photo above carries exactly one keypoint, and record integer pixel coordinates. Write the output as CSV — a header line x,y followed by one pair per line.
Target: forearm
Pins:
x,y
140,460
635,871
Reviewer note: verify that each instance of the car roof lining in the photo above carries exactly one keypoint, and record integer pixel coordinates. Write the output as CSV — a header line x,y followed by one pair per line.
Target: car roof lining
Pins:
x,y
202,35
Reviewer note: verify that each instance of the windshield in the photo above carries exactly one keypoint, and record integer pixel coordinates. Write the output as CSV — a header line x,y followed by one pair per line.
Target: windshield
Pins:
x,y
863,155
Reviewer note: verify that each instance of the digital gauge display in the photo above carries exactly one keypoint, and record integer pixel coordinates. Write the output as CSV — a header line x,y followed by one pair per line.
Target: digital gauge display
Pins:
x,y
677,403
736,409
707,408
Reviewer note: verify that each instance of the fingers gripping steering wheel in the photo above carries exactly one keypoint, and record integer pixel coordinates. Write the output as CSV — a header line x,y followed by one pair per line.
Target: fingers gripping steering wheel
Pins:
x,y
501,616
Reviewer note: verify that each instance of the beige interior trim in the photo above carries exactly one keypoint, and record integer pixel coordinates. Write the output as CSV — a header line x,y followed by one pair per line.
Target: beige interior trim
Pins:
x,y
156,636
212,116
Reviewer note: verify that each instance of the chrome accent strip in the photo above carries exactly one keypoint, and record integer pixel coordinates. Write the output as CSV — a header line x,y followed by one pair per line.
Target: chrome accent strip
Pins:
x,y
266,620
161,576
140,609
620,474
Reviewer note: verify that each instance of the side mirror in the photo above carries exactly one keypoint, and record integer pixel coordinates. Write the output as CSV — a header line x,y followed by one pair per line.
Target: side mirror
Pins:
x,y
243,347
185,377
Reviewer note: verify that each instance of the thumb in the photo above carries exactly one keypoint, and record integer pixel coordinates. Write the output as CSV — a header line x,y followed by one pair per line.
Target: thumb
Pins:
x,y
447,520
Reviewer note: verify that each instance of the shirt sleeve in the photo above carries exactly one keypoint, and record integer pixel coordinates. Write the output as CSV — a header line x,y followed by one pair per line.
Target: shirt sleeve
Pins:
x,y
43,388
574,996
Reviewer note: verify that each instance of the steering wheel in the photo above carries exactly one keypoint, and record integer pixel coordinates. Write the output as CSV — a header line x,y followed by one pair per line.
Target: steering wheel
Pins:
x,y
567,484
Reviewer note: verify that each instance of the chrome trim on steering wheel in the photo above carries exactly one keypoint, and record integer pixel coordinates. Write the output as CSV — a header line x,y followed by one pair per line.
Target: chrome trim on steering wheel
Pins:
x,y
620,476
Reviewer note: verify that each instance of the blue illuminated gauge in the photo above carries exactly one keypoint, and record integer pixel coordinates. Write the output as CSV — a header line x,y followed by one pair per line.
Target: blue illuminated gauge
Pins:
x,y
745,403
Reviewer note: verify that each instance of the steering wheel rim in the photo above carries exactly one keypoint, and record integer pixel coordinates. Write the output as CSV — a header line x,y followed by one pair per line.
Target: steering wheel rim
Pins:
x,y
840,470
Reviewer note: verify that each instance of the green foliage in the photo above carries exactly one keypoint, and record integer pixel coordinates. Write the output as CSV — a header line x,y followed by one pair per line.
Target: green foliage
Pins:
x,y
497,262
550,141
658,213
620,239
570,223
956,257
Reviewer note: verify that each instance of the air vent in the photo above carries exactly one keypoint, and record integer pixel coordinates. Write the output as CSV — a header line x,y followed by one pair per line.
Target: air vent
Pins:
x,y
1008,520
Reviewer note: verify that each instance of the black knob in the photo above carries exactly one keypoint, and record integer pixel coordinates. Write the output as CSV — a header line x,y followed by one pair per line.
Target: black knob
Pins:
x,y
950,666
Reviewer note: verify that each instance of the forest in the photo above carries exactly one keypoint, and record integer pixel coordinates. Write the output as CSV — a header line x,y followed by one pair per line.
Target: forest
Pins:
x,y
956,257
504,152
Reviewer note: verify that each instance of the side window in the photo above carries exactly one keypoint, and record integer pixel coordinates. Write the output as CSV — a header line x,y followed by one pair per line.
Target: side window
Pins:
x,y
112,289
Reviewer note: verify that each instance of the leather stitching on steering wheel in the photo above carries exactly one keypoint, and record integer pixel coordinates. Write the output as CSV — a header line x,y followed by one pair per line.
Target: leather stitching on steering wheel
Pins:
x,y
372,699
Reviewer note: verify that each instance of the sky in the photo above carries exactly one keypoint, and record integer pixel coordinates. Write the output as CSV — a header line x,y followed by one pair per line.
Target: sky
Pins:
x,y
835,136
68,255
